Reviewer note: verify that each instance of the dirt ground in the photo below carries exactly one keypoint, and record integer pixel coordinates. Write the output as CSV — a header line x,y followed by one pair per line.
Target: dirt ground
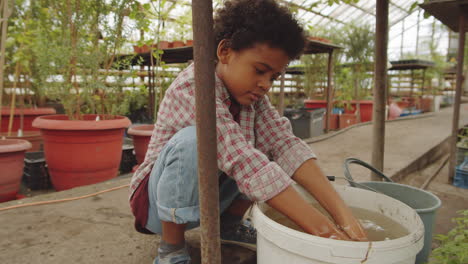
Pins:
x,y
99,229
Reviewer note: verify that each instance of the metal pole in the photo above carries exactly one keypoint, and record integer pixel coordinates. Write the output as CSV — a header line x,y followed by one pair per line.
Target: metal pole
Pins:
x,y
281,96
458,91
417,34
329,92
202,15
5,15
380,72
423,82
402,38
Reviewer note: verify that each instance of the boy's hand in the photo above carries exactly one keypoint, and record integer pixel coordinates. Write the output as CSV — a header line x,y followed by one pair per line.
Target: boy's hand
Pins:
x,y
291,204
353,228
325,229
313,180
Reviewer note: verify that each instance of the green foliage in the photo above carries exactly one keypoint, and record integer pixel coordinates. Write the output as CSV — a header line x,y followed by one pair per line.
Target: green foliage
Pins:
x,y
453,247
315,73
359,50
76,43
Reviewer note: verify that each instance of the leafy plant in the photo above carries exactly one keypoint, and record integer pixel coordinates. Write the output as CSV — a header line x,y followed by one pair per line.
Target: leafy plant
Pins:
x,y
359,51
76,54
453,247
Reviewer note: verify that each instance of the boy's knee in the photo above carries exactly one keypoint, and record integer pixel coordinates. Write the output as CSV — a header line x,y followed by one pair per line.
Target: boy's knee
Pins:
x,y
186,138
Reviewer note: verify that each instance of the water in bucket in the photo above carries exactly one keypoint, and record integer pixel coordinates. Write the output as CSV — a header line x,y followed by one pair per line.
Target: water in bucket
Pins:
x,y
377,226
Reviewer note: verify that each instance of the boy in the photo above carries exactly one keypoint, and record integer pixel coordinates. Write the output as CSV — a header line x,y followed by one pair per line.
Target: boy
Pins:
x,y
258,155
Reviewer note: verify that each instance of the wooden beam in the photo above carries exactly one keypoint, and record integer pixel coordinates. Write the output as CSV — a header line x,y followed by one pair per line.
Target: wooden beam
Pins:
x,y
380,87
458,92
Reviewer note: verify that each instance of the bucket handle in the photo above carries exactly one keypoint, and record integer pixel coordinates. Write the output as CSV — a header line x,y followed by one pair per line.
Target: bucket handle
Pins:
x,y
350,179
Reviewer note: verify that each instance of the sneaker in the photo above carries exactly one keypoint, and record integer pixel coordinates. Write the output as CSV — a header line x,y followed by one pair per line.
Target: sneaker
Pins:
x,y
241,233
180,256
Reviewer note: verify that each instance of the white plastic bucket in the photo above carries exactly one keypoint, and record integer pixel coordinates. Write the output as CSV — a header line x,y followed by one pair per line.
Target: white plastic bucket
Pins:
x,y
279,244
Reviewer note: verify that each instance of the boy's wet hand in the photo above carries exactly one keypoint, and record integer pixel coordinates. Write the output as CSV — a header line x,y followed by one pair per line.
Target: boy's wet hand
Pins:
x,y
354,230
328,230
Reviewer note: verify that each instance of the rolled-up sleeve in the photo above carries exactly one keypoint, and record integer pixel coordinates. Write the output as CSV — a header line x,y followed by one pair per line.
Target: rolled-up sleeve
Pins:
x,y
256,176
274,136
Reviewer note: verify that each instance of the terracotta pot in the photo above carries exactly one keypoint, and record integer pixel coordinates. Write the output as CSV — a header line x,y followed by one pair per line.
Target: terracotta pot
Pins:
x,y
189,42
136,49
425,104
82,152
11,164
346,120
34,137
29,114
366,107
178,44
402,104
333,122
141,135
145,49
164,44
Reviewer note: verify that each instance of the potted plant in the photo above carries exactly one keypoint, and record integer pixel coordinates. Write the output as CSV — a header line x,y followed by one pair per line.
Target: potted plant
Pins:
x,y
24,95
359,42
11,162
80,44
141,135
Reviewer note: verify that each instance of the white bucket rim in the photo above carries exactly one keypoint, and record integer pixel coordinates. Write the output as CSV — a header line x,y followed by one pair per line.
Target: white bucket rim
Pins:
x,y
414,237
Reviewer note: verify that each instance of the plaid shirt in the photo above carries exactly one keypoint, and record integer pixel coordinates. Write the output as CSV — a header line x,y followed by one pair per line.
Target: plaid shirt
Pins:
x,y
245,149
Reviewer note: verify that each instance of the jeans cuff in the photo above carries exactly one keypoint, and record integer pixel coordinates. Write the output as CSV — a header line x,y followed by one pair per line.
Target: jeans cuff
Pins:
x,y
179,215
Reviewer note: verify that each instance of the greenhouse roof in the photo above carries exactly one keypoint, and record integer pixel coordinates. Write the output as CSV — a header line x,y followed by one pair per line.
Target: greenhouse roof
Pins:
x,y
409,31
448,11
320,13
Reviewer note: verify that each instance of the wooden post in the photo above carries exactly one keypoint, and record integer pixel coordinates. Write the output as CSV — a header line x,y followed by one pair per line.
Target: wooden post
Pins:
x,y
281,95
380,71
402,38
4,22
329,93
411,89
417,33
423,82
204,50
458,91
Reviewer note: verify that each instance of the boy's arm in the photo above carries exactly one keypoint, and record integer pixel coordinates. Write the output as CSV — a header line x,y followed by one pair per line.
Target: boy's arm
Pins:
x,y
314,181
291,204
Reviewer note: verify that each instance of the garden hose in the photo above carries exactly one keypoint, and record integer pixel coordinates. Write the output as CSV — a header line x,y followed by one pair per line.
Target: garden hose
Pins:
x,y
63,200
350,179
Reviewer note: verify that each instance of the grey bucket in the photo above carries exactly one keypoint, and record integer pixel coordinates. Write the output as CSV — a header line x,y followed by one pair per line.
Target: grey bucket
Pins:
x,y
423,202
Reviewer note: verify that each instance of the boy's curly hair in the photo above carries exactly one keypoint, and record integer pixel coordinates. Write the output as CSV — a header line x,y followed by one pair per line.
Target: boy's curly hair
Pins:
x,y
246,22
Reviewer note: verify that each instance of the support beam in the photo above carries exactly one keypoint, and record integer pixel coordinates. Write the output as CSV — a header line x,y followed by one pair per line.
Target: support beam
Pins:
x,y
362,9
458,91
5,14
380,72
204,50
281,96
329,92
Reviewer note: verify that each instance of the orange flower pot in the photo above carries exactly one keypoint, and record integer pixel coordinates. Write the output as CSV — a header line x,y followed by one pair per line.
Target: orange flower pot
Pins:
x,y
141,135
178,44
11,164
346,120
34,137
29,114
82,152
164,44
333,122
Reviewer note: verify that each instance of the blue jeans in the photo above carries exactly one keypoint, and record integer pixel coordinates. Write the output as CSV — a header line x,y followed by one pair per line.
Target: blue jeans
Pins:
x,y
173,184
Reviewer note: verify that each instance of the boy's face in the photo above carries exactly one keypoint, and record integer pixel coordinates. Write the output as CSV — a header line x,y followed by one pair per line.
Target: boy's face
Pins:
x,y
249,73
